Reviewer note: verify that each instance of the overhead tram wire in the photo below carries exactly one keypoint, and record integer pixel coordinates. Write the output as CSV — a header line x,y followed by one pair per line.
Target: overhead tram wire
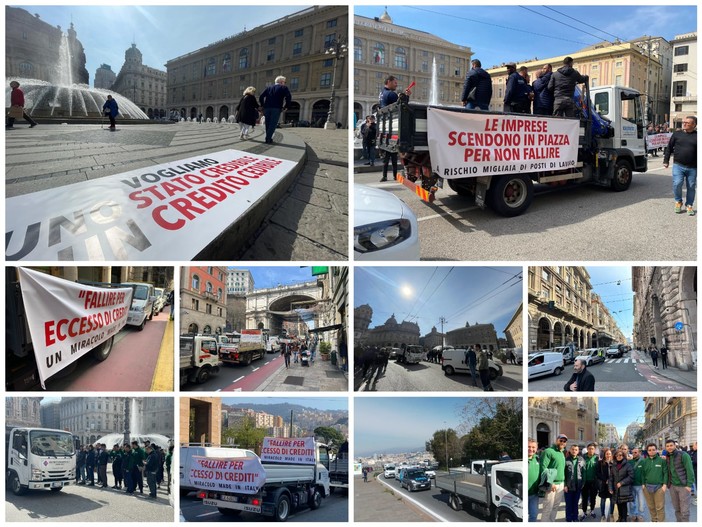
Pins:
x,y
424,289
433,292
492,291
561,22
475,302
583,23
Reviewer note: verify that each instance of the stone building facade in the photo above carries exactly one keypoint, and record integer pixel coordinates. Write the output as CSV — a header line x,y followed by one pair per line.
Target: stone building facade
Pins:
x,y
670,418
514,330
274,308
576,417
609,435
23,411
240,282
382,48
393,334
432,339
683,101
32,48
665,310
143,85
104,77
210,81
203,307
483,334
90,418
200,421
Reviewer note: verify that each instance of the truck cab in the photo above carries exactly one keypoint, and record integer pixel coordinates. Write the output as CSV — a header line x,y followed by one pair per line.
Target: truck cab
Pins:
x,y
142,307
199,358
410,355
39,458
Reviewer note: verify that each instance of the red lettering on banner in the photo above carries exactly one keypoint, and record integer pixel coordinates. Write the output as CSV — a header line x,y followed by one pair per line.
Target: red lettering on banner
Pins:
x,y
491,125
157,215
476,154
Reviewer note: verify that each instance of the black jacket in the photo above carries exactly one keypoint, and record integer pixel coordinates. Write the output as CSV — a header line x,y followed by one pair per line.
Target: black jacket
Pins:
x,y
683,146
517,89
369,138
586,382
542,97
480,79
247,110
563,81
623,474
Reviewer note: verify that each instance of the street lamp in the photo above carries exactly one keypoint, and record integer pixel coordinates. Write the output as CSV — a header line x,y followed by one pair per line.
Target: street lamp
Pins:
x,y
337,49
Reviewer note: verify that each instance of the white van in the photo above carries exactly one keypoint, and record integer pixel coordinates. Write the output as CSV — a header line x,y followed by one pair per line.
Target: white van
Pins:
x,y
545,363
388,471
453,361
142,303
186,457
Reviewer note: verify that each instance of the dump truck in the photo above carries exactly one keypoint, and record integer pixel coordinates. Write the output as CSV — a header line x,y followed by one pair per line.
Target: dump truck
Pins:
x,y
337,463
497,158
199,358
496,493
250,345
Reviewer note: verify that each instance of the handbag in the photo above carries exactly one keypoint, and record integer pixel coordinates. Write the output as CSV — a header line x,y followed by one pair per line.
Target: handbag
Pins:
x,y
16,112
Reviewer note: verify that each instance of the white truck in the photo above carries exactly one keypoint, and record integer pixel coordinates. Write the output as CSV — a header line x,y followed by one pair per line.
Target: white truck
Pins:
x,y
496,493
337,462
250,345
271,488
142,308
498,158
188,451
199,358
39,458
410,355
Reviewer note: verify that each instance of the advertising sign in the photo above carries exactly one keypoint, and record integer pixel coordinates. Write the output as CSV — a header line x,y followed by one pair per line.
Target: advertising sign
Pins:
x,y
165,212
66,320
476,144
298,450
243,475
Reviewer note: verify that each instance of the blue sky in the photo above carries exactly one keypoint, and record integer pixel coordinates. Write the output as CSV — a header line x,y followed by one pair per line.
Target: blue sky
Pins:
x,y
319,403
621,411
265,277
424,294
160,32
613,284
498,34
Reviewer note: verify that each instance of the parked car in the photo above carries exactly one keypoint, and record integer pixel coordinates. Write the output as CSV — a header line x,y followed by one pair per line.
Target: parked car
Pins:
x,y
160,301
453,361
614,352
389,471
384,227
430,473
545,363
591,356
568,353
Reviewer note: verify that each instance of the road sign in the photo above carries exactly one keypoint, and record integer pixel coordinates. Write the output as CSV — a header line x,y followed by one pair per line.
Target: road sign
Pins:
x,y
679,326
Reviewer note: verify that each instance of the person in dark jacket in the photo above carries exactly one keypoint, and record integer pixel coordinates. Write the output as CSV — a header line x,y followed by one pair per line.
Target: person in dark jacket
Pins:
x,y
654,356
683,147
247,112
664,356
151,469
102,460
479,80
17,107
604,467
621,479
389,94
562,86
90,460
129,463
138,471
273,99
680,478
80,466
369,140
484,370
116,457
516,92
581,380
543,99
111,109
169,459
574,481
471,359
590,482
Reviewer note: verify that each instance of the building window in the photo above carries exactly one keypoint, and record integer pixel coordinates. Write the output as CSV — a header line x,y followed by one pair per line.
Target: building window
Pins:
x,y
195,304
679,68
271,55
297,48
545,275
379,53
299,32
357,50
211,67
244,59
219,293
26,68
678,107
425,66
442,69
294,83
208,287
618,80
400,59
295,68
618,64
196,283
594,67
227,62
271,41
208,309
328,40
325,80
331,23
682,50
328,63
679,88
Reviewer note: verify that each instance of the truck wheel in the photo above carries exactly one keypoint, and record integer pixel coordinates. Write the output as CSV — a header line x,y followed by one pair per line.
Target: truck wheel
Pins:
x,y
454,503
558,371
143,323
248,359
460,188
57,489
316,501
282,508
103,350
511,195
504,516
203,375
622,175
17,488
228,512
448,370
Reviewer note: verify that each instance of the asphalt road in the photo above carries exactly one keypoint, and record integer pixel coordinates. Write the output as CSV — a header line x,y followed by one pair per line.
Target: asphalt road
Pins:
x,y
625,374
427,376
579,223
335,508
235,377
434,501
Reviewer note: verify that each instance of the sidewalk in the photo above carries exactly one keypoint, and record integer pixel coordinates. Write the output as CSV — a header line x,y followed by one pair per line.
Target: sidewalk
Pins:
x,y
687,378
374,502
319,376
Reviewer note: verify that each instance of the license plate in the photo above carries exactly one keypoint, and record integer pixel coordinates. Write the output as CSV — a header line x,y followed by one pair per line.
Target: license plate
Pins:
x,y
226,497
56,484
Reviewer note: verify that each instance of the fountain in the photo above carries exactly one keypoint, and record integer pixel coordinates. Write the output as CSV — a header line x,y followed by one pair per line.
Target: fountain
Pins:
x,y
434,91
65,99
135,417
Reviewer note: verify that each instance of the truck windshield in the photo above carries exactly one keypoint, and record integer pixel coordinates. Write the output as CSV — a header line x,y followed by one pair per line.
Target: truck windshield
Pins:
x,y
51,443
141,292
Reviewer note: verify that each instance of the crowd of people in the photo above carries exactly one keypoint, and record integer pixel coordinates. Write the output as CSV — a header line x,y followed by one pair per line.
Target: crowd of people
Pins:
x,y
635,481
130,463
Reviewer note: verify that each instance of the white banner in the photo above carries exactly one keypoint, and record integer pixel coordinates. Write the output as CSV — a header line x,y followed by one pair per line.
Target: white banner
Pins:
x,y
165,212
243,475
288,450
67,320
481,144
657,140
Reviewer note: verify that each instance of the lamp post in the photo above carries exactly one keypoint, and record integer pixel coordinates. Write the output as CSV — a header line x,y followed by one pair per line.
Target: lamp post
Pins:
x,y
337,49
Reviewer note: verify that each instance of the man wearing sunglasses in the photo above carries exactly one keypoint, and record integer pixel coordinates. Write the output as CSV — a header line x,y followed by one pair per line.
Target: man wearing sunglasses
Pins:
x,y
553,460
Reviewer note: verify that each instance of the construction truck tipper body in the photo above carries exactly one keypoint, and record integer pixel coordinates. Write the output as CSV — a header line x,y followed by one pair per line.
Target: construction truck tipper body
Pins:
x,y
250,345
496,493
288,475
39,458
199,358
498,158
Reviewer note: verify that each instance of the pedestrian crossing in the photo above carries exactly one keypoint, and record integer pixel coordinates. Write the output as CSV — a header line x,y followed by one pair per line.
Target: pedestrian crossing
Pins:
x,y
623,361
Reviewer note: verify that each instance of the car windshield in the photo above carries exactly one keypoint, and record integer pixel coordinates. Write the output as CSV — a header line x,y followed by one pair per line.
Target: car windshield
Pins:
x,y
414,473
51,443
141,292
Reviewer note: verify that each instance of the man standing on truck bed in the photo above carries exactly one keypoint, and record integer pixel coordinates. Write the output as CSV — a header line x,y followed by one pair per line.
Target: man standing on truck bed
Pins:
x,y
389,96
562,85
683,146
479,80
516,92
543,99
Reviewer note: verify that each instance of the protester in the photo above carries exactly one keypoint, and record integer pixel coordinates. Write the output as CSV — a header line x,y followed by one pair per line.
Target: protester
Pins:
x,y
151,469
484,371
581,380
636,506
17,107
477,88
533,482
681,477
590,481
621,478
116,456
604,469
543,99
574,481
247,112
655,472
683,147
369,140
552,463
273,100
562,86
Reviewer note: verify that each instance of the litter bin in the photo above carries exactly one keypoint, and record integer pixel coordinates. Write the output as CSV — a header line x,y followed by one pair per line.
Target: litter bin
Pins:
x,y
333,358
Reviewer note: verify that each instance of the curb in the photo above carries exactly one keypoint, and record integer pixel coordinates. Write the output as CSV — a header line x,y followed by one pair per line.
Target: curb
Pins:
x,y
163,373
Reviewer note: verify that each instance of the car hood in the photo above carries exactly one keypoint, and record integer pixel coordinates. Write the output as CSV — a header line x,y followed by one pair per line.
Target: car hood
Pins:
x,y
372,205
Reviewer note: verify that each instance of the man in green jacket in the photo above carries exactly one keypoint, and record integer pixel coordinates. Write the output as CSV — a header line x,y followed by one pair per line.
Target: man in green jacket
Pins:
x,y
590,481
533,490
681,476
636,507
655,474
553,458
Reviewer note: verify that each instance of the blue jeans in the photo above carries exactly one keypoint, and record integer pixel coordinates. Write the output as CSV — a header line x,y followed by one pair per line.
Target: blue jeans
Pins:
x,y
533,507
473,373
271,115
636,507
472,105
572,497
602,506
689,176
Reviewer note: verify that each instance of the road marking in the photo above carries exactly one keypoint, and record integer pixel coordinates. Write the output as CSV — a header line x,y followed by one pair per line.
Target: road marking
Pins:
x,y
447,213
408,498
219,390
239,379
207,514
255,369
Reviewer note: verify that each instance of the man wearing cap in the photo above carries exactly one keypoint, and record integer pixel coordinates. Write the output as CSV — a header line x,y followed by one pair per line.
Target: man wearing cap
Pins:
x,y
562,85
516,92
553,460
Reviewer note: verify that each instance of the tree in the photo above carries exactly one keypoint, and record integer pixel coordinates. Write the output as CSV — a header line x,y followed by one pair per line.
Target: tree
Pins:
x,y
499,430
440,448
245,435
331,435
